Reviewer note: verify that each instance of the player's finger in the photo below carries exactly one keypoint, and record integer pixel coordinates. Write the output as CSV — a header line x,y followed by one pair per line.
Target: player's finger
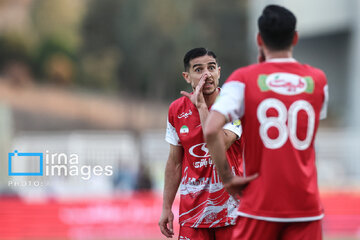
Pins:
x,y
171,229
164,230
205,76
250,178
201,84
186,94
244,182
241,182
163,227
233,193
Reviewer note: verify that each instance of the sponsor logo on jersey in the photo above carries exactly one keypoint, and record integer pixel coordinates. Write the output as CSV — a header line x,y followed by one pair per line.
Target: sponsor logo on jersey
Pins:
x,y
199,150
184,130
183,238
185,114
286,83
236,123
203,163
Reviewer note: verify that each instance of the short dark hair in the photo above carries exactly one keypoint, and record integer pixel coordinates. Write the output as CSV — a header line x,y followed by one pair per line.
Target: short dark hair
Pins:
x,y
194,53
277,27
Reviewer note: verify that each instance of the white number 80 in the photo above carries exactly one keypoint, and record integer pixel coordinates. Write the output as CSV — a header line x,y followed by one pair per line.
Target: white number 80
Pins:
x,y
279,122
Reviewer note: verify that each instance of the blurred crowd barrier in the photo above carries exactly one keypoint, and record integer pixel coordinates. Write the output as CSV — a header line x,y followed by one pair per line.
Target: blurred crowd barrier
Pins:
x,y
127,217
136,217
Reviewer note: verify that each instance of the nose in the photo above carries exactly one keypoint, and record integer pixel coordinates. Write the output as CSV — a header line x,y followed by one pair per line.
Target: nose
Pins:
x,y
207,73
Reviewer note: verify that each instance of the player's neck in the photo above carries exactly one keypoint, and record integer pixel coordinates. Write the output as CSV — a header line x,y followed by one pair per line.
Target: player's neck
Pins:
x,y
210,99
278,54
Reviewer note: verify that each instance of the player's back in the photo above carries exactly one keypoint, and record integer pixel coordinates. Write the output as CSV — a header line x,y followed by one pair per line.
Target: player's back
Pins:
x,y
282,106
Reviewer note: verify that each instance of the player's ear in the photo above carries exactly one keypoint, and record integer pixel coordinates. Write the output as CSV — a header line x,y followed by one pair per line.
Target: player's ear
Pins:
x,y
186,77
259,40
219,69
295,39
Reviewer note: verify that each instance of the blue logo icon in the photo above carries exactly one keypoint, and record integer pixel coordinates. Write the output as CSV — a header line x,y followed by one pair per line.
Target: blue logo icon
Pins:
x,y
16,153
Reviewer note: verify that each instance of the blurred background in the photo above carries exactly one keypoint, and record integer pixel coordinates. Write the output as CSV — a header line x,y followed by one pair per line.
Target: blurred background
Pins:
x,y
95,78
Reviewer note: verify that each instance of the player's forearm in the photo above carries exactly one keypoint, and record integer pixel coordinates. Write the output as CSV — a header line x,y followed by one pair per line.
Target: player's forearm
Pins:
x,y
216,146
204,113
172,182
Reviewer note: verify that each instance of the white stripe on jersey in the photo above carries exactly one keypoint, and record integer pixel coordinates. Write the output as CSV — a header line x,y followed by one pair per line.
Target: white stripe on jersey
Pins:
x,y
273,219
230,103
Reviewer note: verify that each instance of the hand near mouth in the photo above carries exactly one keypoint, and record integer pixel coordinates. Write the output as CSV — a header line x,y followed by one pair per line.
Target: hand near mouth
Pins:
x,y
197,96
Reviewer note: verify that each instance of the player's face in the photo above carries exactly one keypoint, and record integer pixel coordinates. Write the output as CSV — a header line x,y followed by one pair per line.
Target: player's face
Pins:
x,y
200,66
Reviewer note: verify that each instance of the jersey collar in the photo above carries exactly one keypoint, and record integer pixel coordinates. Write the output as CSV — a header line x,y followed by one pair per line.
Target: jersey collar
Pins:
x,y
281,60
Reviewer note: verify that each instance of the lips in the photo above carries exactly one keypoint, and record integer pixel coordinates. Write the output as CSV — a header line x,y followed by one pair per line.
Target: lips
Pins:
x,y
208,84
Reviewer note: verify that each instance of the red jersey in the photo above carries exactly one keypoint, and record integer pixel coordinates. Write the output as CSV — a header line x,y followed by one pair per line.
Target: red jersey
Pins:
x,y
204,203
279,103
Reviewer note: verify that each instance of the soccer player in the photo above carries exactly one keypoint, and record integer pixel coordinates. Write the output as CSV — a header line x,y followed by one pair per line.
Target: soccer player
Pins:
x,y
279,102
207,211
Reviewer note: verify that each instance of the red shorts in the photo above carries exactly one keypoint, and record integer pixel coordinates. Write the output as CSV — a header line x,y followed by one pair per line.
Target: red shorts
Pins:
x,y
189,233
249,228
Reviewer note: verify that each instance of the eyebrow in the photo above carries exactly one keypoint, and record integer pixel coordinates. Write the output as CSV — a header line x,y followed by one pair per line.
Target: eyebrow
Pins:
x,y
209,63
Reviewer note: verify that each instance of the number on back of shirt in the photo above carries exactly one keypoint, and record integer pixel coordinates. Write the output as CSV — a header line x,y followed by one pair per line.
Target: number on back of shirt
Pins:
x,y
288,130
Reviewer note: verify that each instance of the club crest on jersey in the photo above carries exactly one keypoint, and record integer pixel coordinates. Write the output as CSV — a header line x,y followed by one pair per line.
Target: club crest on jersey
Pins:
x,y
286,83
184,130
199,150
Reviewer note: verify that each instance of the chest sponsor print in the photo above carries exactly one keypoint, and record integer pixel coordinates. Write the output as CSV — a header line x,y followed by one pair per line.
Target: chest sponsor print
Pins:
x,y
286,83
185,114
201,151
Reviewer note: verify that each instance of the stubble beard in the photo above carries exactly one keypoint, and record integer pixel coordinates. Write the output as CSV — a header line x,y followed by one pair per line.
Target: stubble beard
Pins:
x,y
207,93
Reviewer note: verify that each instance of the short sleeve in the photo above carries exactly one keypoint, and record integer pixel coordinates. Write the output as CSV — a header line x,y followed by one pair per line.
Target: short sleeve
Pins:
x,y
230,102
171,135
235,127
323,112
